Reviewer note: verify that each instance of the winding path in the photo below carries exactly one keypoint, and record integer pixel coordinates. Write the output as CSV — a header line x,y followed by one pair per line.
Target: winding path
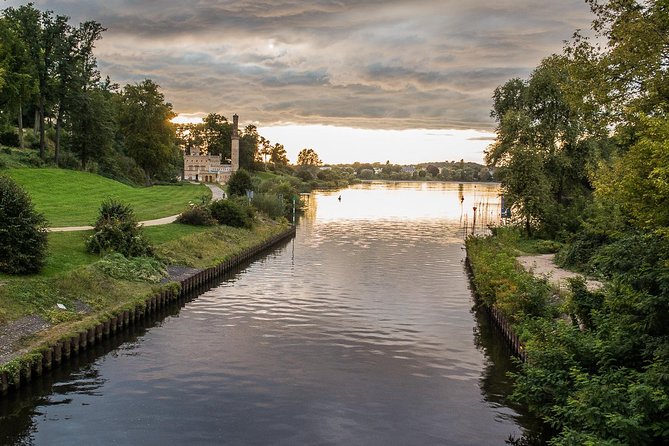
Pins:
x,y
543,266
216,194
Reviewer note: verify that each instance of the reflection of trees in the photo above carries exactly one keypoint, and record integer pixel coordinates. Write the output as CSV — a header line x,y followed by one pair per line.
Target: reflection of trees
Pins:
x,y
496,385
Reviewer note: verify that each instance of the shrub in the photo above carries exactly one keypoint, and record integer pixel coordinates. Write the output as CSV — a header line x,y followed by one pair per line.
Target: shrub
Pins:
x,y
239,183
269,204
232,213
23,236
197,215
9,138
117,230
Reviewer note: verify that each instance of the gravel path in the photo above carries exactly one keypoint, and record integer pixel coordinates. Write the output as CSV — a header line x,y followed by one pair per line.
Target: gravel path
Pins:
x,y
13,334
544,266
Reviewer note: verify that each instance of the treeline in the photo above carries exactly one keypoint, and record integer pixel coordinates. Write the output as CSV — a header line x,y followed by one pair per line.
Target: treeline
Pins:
x,y
582,152
439,171
53,101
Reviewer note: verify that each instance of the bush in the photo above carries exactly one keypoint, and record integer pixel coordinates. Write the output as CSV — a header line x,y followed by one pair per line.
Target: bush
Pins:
x,y
117,230
269,204
197,215
9,138
239,183
23,236
232,212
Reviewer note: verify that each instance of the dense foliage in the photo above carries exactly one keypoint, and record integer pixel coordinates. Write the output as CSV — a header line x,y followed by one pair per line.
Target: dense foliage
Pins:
x,y
239,183
197,215
582,152
233,212
23,236
117,230
52,99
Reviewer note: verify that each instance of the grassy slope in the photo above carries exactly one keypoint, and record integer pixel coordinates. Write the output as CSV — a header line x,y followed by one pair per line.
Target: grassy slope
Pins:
x,y
72,198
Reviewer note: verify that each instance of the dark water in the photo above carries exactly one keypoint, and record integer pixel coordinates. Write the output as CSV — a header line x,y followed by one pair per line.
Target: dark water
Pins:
x,y
358,332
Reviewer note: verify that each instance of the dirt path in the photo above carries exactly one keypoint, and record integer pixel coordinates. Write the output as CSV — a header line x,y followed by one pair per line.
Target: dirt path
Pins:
x,y
544,266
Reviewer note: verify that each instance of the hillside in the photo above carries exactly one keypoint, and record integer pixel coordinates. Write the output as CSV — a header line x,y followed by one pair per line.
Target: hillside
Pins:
x,y
72,198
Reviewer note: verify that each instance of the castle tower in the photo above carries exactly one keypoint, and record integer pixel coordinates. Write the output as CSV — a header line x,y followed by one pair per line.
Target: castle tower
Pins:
x,y
234,156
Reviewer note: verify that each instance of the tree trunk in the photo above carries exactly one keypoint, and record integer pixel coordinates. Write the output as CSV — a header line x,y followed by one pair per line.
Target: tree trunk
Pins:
x,y
36,125
21,144
59,125
59,122
42,134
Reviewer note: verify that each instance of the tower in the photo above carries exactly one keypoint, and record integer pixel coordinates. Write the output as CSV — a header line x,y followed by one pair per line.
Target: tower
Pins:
x,y
234,156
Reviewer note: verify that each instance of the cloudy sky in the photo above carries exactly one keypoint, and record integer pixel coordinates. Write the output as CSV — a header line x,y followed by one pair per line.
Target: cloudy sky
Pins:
x,y
367,80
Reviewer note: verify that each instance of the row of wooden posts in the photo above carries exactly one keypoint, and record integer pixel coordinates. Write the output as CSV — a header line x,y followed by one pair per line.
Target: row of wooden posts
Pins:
x,y
60,352
501,322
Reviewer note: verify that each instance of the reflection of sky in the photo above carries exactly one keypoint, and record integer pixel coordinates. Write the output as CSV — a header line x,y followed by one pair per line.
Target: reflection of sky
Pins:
x,y
408,201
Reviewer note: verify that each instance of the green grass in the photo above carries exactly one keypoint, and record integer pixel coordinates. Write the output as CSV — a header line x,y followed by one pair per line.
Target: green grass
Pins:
x,y
165,233
72,198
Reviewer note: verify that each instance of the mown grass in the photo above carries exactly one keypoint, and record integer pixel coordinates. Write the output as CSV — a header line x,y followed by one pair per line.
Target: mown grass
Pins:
x,y
72,198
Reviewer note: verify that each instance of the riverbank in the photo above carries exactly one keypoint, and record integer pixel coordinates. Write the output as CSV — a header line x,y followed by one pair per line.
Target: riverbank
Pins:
x,y
73,309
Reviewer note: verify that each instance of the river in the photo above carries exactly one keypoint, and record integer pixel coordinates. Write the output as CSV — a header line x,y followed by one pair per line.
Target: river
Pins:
x,y
360,331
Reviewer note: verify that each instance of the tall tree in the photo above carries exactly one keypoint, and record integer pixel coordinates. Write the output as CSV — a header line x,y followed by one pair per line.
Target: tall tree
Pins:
x,y
20,83
308,157
41,32
75,74
148,134
248,147
279,156
542,149
216,133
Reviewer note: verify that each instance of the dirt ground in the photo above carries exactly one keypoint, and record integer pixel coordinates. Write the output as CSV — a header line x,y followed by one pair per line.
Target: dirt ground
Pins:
x,y
543,265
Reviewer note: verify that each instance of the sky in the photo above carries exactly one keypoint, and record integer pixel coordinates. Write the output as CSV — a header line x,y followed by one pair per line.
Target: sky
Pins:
x,y
356,80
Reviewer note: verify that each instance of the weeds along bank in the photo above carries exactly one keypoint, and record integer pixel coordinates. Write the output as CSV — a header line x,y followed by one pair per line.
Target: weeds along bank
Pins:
x,y
596,368
112,292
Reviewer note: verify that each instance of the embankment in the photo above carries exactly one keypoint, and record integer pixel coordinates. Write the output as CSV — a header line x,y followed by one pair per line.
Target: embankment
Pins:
x,y
63,341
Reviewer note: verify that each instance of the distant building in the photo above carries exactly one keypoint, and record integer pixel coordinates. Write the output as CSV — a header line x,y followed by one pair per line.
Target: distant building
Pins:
x,y
211,168
408,169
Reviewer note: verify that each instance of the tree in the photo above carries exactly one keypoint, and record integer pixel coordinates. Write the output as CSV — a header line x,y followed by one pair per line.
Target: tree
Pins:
x,y
278,155
19,85
638,180
117,230
216,134
432,170
76,73
308,157
540,126
94,126
41,32
264,148
239,183
148,135
248,147
23,233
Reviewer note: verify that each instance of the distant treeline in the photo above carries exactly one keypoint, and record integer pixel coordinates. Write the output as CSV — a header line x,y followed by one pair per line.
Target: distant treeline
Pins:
x,y
439,171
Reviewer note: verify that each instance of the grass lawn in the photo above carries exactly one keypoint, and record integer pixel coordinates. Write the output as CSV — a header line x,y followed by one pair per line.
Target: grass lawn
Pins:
x,y
72,198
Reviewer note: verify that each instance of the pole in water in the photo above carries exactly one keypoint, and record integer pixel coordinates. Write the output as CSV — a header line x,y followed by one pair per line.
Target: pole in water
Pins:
x,y
474,221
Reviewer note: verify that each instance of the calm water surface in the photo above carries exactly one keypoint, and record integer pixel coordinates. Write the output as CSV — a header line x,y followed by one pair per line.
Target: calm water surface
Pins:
x,y
358,332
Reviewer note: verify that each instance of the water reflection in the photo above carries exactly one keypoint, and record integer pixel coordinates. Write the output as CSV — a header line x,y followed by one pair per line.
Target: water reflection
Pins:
x,y
358,332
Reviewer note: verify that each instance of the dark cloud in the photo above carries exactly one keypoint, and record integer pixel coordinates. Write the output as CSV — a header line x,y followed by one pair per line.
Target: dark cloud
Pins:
x,y
372,63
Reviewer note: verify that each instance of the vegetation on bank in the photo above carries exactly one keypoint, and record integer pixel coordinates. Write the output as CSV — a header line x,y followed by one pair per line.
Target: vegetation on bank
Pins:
x,y
582,155
92,287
